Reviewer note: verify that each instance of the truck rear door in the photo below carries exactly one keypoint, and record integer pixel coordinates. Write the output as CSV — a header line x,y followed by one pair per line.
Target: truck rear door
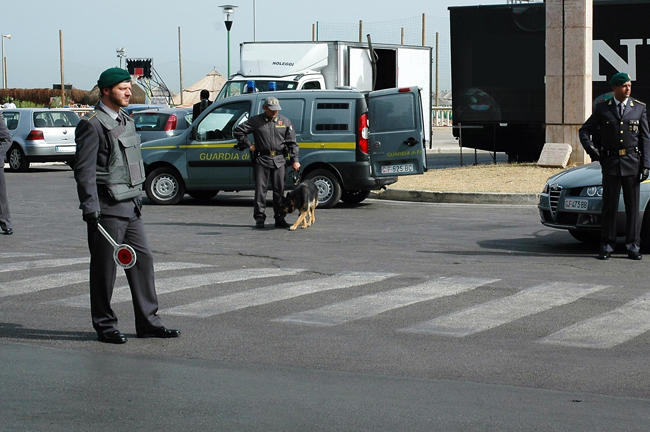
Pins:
x,y
396,132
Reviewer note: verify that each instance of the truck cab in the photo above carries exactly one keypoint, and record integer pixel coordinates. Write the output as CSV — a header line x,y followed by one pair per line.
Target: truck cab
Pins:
x,y
239,84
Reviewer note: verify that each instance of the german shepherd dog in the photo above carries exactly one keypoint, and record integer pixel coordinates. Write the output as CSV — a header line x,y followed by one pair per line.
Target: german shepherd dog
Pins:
x,y
303,197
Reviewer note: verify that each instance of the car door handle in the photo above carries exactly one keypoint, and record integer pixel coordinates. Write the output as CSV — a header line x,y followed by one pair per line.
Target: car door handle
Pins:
x,y
411,141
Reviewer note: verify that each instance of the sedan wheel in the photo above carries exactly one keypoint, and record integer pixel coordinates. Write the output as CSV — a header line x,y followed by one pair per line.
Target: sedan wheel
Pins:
x,y
164,186
17,160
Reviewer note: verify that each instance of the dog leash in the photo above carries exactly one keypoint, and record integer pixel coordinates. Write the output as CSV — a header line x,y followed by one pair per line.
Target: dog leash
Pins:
x,y
295,176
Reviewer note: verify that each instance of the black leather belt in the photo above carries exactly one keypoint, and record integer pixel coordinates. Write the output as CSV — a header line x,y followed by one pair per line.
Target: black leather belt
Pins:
x,y
267,152
621,152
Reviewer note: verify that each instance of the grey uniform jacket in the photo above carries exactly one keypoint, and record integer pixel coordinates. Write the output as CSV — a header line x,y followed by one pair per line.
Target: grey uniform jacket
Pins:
x,y
5,137
269,135
93,150
618,133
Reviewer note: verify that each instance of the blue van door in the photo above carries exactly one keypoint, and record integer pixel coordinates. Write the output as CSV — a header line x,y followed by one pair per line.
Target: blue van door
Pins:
x,y
396,138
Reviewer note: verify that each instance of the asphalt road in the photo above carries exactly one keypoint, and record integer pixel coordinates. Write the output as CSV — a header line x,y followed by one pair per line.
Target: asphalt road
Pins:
x,y
384,316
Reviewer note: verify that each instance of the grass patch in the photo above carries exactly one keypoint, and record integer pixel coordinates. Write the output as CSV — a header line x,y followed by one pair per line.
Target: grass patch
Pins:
x,y
500,178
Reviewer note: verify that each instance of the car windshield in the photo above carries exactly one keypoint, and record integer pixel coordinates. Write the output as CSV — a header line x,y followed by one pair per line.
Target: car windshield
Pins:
x,y
235,88
55,119
150,121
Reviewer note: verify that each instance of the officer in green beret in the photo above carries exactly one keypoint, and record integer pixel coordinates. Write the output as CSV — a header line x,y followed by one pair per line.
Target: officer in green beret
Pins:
x,y
109,172
624,156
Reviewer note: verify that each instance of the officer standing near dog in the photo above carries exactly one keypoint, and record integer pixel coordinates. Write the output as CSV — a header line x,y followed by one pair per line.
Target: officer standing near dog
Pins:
x,y
5,143
109,174
624,156
272,133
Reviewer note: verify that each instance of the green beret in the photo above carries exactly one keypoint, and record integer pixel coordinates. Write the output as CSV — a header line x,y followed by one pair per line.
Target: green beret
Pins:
x,y
619,79
112,76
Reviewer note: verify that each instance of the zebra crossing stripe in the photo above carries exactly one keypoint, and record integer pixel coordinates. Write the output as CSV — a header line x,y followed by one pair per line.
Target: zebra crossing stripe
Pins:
x,y
502,311
178,283
607,330
274,293
374,304
49,263
19,255
58,280
40,283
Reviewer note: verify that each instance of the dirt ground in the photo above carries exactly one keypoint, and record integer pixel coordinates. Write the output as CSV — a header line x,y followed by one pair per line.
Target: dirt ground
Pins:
x,y
503,177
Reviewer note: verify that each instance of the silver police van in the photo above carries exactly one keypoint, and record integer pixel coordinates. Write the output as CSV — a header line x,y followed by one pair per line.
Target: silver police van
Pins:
x,y
350,143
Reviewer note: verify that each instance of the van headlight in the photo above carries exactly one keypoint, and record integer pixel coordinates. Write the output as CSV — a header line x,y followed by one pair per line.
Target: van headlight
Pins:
x,y
594,191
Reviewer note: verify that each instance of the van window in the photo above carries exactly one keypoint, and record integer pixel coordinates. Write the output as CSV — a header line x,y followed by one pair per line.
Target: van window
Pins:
x,y
393,113
220,122
11,118
332,116
293,109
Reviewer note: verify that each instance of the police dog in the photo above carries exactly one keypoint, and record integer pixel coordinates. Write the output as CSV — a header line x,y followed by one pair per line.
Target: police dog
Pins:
x,y
303,197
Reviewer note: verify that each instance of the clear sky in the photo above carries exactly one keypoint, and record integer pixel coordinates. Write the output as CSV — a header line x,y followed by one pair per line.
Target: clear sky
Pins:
x,y
93,30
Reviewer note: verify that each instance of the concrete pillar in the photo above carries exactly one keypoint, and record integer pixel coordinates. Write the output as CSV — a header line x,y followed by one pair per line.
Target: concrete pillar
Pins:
x,y
569,44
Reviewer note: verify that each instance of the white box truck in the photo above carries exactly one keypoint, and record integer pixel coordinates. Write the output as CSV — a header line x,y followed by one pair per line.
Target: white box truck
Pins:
x,y
268,66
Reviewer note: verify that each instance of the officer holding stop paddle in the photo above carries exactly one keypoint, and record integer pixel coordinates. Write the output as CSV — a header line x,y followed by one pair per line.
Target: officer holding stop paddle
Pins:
x,y
109,174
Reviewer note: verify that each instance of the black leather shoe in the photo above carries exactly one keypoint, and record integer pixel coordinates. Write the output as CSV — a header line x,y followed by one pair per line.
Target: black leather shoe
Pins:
x,y
161,332
603,256
7,231
114,337
259,224
281,223
634,256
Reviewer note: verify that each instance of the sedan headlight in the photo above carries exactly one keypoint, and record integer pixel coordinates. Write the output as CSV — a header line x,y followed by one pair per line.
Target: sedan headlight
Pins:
x,y
595,191
546,187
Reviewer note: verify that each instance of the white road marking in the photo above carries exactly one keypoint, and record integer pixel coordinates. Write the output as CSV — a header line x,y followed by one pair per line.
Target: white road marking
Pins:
x,y
58,280
19,254
173,284
274,293
502,311
374,304
41,283
607,330
49,263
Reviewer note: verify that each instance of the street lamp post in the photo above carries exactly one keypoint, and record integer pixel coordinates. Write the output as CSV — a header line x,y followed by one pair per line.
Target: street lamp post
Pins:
x,y
4,61
228,12
121,52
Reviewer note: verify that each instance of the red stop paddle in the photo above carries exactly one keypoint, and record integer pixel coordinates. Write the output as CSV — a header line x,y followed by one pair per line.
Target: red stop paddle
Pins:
x,y
123,254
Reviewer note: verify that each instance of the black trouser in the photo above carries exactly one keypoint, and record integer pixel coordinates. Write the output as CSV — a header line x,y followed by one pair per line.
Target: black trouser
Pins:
x,y
5,218
103,273
262,175
611,192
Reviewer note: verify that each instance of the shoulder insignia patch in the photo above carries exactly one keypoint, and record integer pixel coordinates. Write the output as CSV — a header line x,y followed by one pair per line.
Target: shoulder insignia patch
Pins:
x,y
89,115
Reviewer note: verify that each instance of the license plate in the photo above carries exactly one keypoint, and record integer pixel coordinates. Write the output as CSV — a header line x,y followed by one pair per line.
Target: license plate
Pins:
x,y
576,204
398,169
65,149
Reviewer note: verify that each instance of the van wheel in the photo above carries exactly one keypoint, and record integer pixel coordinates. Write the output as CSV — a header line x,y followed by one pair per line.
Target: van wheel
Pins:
x,y
16,159
329,188
164,186
355,197
203,194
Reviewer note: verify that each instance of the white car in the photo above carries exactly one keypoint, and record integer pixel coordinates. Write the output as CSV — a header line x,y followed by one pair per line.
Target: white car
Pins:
x,y
40,135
